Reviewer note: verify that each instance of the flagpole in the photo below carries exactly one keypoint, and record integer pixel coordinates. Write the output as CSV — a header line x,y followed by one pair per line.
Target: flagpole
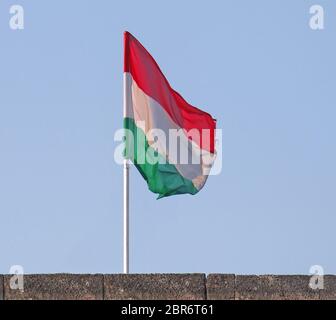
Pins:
x,y
126,196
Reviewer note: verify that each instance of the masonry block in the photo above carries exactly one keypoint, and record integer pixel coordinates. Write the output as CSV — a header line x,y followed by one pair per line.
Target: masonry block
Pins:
x,y
329,291
155,287
57,287
220,286
267,287
270,287
1,287
296,287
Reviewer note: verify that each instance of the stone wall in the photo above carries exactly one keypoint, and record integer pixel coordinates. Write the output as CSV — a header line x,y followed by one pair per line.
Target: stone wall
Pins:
x,y
167,287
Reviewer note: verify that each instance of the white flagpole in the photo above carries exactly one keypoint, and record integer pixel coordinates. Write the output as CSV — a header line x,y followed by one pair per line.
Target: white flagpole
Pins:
x,y
126,197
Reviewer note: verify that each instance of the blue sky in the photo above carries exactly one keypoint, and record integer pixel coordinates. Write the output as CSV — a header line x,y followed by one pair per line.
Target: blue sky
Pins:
x,y
256,66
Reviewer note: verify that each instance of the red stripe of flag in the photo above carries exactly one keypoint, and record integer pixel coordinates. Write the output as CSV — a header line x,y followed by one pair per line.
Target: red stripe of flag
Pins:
x,y
148,76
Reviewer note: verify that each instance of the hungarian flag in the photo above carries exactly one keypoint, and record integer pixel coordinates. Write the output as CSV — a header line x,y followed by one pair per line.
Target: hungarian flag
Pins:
x,y
171,143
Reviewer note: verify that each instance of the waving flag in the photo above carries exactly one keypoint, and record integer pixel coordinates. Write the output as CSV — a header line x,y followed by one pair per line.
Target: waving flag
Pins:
x,y
173,144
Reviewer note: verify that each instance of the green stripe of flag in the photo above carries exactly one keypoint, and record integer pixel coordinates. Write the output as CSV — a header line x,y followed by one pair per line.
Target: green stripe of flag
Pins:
x,y
163,179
